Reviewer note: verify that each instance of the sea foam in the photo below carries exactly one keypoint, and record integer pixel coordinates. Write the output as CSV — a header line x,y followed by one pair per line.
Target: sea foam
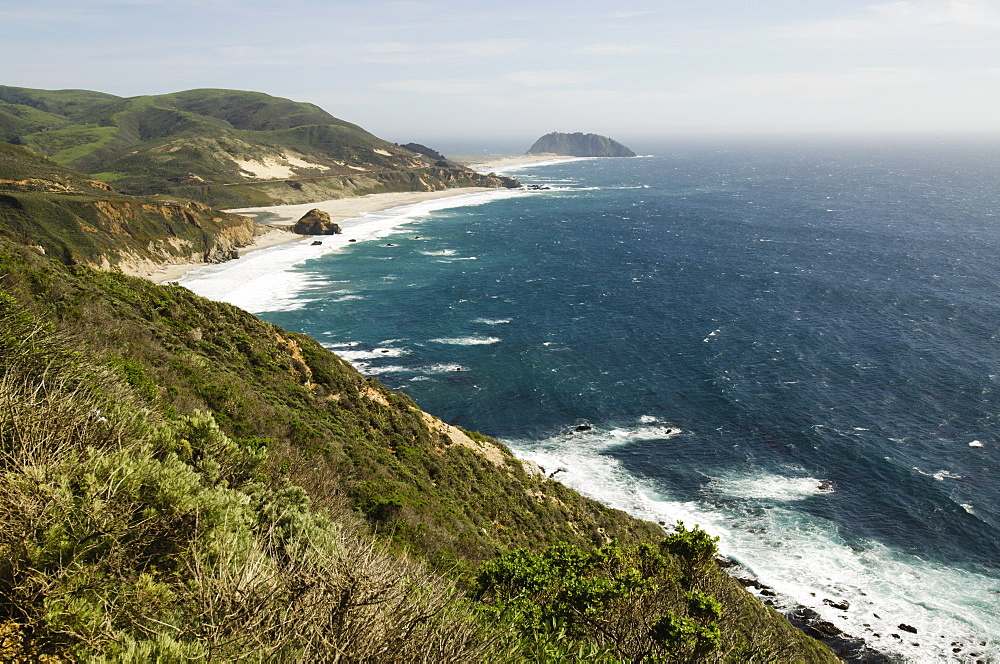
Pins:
x,y
467,341
802,557
267,279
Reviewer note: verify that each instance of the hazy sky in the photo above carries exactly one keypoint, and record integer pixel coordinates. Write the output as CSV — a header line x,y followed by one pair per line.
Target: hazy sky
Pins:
x,y
510,69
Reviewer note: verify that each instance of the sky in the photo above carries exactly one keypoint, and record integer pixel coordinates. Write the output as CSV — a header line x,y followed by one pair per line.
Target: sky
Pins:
x,y
509,70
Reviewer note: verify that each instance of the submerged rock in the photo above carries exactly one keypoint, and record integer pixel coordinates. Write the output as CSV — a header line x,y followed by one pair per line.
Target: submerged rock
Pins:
x,y
843,605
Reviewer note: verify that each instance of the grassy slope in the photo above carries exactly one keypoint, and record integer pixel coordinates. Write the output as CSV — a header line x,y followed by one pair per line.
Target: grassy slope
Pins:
x,y
343,437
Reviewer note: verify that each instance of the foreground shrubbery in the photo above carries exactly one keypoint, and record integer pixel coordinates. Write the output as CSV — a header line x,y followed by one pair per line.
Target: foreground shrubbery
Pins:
x,y
127,537
611,603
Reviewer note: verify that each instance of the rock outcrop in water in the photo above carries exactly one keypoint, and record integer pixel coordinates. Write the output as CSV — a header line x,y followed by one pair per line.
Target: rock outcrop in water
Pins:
x,y
579,145
316,222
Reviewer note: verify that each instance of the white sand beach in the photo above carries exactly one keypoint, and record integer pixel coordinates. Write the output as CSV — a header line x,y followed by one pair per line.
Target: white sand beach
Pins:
x,y
267,279
340,209
485,164
346,208
284,216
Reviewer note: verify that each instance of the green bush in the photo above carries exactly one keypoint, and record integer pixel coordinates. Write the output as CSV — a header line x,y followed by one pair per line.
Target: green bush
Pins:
x,y
612,602
695,549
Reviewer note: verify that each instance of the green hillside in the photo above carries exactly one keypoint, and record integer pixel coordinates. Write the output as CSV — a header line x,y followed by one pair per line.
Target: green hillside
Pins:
x,y
221,147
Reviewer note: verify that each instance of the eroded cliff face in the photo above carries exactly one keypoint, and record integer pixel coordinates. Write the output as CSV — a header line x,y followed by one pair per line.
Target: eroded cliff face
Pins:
x,y
76,219
136,236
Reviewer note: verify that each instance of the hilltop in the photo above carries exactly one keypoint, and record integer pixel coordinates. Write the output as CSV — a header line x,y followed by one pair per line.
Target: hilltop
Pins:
x,y
225,148
579,145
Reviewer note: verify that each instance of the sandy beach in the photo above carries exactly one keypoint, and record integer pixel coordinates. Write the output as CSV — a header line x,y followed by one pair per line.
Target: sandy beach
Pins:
x,y
485,164
346,208
173,272
282,217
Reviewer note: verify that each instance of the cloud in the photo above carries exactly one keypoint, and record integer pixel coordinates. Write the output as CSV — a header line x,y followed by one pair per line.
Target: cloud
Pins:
x,y
620,49
635,14
549,77
904,19
42,16
385,47
398,53
239,51
440,86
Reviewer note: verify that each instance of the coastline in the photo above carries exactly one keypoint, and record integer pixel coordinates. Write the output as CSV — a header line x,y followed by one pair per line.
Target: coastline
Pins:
x,y
280,218
174,271
485,164
339,209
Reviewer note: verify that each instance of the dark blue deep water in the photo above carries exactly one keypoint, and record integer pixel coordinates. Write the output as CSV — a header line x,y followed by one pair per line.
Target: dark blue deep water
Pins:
x,y
794,346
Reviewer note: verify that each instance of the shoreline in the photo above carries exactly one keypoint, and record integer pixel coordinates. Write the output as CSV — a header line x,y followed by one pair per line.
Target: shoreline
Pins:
x,y
281,217
339,209
495,162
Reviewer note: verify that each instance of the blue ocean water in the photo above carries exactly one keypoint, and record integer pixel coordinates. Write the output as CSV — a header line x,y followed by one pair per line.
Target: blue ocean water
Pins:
x,y
793,345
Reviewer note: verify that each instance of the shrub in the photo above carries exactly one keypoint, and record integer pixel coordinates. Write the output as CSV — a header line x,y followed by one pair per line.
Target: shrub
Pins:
x,y
610,603
695,549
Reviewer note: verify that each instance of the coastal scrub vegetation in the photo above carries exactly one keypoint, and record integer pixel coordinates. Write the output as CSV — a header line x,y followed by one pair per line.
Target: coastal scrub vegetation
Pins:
x,y
182,481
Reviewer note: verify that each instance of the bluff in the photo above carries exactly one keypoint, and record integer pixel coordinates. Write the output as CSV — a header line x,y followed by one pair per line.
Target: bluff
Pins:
x,y
77,219
225,148
579,145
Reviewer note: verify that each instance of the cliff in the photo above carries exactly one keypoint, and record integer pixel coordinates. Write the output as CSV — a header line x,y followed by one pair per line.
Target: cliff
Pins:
x,y
76,219
225,148
579,145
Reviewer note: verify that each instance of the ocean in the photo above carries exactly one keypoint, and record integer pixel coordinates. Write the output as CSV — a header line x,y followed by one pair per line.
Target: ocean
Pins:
x,y
792,344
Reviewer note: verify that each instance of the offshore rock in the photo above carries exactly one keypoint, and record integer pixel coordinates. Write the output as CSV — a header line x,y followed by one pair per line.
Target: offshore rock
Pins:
x,y
579,145
316,222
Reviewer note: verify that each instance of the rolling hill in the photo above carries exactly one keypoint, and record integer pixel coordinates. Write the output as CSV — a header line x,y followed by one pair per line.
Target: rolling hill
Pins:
x,y
226,148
